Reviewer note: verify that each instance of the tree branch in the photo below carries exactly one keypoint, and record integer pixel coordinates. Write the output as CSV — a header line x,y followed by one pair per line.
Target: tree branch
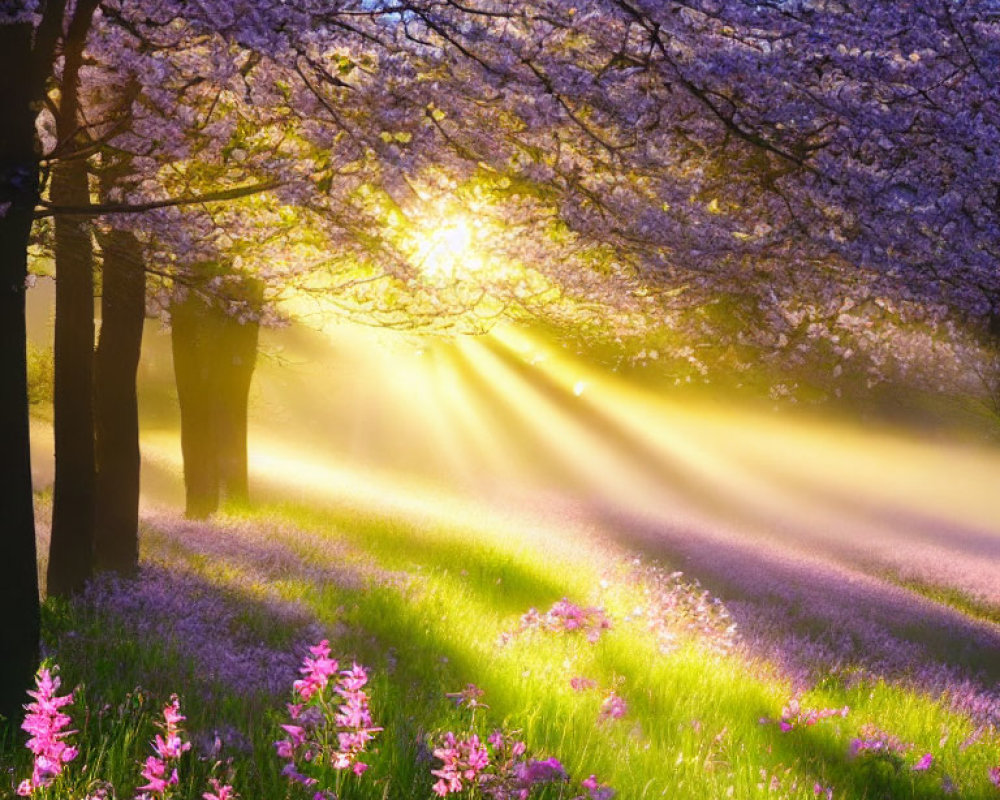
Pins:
x,y
47,209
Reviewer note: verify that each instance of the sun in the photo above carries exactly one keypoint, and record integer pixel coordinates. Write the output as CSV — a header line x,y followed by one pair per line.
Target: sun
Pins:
x,y
448,250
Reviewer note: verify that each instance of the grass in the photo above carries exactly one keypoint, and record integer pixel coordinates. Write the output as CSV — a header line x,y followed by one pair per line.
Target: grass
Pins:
x,y
424,607
968,604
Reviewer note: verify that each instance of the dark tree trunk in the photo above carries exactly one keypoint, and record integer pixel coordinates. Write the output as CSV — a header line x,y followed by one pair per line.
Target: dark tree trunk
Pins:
x,y
123,311
237,359
191,340
71,551
214,359
18,195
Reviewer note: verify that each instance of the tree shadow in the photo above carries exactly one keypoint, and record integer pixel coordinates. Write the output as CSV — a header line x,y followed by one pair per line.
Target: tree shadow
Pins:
x,y
813,620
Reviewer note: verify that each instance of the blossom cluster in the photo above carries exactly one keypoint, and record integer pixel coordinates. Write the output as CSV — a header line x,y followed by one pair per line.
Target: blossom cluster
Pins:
x,y
463,759
46,723
160,769
794,716
674,606
876,742
328,726
500,768
563,617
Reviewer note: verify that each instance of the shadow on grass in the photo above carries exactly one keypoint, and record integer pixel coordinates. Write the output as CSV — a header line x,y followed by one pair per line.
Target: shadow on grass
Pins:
x,y
511,581
812,620
200,627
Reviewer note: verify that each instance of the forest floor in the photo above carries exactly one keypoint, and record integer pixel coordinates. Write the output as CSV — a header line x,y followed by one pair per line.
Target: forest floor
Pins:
x,y
794,606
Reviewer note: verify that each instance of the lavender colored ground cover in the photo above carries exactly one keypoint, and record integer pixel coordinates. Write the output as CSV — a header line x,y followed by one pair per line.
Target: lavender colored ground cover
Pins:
x,y
809,617
215,626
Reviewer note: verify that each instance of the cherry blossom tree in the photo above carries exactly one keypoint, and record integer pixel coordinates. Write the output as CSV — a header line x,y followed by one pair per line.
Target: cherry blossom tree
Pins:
x,y
825,172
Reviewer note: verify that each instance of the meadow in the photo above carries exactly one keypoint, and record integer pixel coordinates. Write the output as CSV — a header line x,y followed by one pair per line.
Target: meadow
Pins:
x,y
532,641
641,678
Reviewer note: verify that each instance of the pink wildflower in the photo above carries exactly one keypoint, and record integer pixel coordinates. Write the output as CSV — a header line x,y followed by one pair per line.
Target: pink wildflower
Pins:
x,y
826,791
564,617
925,762
995,776
158,771
597,791
320,724
469,697
581,684
317,671
794,716
45,722
613,707
463,759
220,791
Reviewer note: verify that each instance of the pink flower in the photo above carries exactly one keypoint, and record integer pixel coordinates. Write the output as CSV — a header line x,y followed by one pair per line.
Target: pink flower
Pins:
x,y
45,722
597,791
168,748
317,671
925,762
995,776
613,707
219,791
462,760
320,723
581,684
155,773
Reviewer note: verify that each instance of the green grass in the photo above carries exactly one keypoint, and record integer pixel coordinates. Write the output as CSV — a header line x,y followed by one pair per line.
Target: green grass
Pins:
x,y
968,604
424,610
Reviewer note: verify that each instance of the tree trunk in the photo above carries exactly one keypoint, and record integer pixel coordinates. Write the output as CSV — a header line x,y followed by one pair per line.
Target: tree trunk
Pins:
x,y
18,195
123,311
191,340
214,359
236,357
71,551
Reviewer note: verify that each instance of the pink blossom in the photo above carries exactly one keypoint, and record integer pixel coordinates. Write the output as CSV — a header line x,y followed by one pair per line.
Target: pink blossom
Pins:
x,y
565,617
613,707
317,671
320,724
220,791
463,759
597,791
159,770
45,722
925,762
